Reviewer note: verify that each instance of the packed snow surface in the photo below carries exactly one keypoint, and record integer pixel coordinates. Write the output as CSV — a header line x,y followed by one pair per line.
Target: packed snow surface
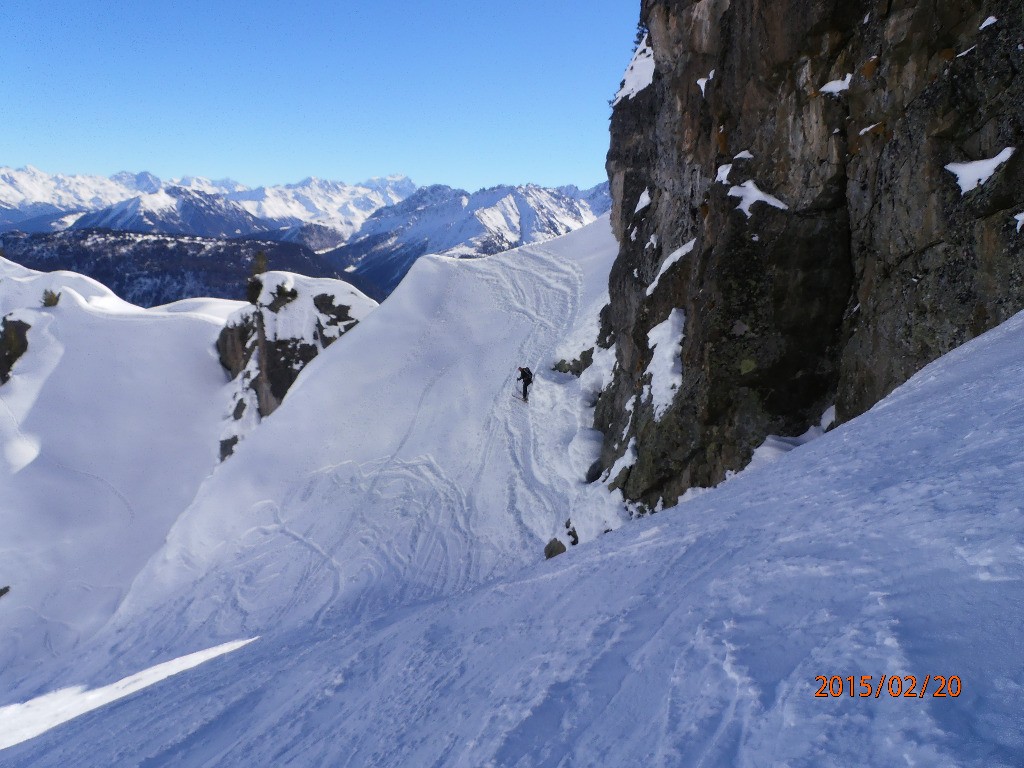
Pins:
x,y
382,533
1020,220
639,73
25,721
973,174
988,22
216,309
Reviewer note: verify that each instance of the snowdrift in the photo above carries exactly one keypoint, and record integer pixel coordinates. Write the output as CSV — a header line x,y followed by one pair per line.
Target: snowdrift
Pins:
x,y
107,427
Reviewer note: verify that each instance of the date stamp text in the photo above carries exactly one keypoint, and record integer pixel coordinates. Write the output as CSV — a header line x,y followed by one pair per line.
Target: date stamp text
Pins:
x,y
893,686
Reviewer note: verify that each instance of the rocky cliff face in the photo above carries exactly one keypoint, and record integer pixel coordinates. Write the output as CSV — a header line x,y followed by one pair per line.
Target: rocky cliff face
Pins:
x,y
819,197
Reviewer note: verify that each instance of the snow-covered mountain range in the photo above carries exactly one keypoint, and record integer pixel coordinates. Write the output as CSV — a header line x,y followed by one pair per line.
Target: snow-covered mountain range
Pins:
x,y
452,222
176,211
373,230
342,207
35,201
363,582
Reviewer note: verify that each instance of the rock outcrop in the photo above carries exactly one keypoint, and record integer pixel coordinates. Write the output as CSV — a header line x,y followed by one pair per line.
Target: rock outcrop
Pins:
x,y
13,344
813,199
265,346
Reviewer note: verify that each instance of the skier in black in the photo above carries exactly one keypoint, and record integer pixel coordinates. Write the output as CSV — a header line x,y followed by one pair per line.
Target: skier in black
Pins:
x,y
525,376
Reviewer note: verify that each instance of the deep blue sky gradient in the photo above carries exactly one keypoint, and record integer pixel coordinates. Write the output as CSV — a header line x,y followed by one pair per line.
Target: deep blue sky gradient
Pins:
x,y
469,93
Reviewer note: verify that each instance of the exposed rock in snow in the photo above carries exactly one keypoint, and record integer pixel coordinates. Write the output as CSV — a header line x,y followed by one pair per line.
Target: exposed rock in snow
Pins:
x,y
13,344
265,346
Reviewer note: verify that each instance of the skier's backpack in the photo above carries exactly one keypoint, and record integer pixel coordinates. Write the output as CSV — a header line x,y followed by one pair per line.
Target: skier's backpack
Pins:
x,y
527,376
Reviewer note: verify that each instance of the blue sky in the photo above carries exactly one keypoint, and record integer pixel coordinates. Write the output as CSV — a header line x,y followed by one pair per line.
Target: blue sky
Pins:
x,y
469,93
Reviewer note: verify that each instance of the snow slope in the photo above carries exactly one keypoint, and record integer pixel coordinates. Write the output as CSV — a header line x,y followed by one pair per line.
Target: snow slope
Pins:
x,y
107,427
381,532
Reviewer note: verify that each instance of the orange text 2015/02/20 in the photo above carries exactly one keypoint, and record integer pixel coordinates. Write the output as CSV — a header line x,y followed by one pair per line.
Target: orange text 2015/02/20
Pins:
x,y
895,686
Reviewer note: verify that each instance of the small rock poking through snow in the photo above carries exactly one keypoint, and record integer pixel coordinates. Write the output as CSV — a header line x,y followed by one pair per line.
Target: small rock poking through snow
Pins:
x,y
973,174
749,194
639,73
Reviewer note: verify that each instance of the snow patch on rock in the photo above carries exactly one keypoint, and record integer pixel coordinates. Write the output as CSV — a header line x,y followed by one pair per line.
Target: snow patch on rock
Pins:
x,y
749,193
673,257
644,201
971,175
836,87
666,366
639,73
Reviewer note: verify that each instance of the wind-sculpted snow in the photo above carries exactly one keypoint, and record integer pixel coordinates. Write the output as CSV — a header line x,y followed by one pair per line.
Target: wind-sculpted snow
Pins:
x,y
107,426
389,557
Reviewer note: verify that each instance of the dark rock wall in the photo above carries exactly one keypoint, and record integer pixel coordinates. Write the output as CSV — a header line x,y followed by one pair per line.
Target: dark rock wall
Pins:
x,y
877,265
